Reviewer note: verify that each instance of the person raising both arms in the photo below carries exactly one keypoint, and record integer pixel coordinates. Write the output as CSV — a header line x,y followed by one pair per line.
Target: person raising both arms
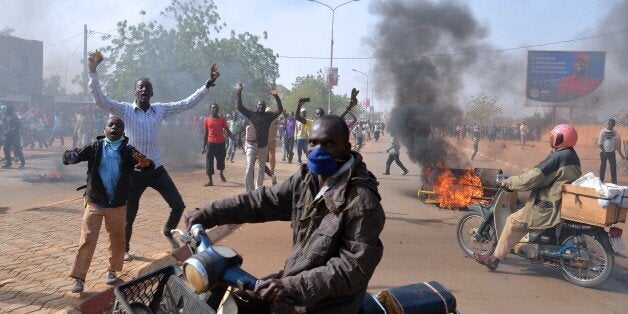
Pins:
x,y
143,123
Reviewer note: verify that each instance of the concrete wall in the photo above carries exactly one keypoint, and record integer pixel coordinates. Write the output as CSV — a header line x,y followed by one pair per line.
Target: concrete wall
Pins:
x,y
21,66
587,134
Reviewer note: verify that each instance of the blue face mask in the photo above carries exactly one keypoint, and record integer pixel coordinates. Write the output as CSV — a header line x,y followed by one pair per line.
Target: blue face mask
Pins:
x,y
320,162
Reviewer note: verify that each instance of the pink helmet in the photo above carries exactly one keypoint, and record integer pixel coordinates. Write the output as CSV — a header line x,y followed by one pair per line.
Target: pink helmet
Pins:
x,y
563,135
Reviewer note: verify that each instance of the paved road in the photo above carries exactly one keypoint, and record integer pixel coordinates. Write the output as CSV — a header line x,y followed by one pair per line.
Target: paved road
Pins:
x,y
420,245
38,242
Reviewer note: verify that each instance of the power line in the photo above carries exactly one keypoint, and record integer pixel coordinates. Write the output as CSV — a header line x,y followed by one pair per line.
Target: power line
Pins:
x,y
462,52
63,40
69,58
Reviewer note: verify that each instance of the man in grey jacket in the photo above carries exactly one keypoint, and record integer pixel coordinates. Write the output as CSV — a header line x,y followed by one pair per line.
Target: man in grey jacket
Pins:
x,y
336,217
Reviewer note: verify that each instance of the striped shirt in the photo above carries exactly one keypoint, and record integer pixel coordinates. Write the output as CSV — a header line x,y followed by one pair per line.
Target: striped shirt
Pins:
x,y
142,128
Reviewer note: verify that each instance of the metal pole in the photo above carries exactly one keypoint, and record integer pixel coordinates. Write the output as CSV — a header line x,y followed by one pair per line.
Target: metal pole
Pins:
x,y
367,84
331,59
331,55
85,59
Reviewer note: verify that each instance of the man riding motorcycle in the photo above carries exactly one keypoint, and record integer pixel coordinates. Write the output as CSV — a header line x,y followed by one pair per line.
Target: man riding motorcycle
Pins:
x,y
545,180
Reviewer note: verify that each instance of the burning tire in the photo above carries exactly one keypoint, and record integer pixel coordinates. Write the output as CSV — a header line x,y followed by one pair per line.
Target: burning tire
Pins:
x,y
470,240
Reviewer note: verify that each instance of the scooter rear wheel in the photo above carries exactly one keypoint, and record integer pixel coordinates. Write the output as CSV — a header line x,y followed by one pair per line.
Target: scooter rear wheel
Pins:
x,y
468,239
596,263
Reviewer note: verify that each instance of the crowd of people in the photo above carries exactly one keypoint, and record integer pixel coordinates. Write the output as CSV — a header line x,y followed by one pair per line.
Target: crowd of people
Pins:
x,y
492,132
331,180
29,127
332,195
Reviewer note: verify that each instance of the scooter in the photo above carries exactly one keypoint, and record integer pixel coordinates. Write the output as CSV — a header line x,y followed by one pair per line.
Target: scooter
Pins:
x,y
583,252
211,281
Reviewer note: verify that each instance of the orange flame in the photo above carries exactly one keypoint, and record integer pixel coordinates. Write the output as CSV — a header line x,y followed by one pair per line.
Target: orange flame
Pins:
x,y
457,192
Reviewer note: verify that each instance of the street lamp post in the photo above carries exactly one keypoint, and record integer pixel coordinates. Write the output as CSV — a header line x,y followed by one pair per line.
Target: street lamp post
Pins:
x,y
331,55
367,82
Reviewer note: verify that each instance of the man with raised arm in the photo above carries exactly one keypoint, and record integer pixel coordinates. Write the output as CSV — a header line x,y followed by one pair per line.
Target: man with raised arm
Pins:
x,y
257,145
143,121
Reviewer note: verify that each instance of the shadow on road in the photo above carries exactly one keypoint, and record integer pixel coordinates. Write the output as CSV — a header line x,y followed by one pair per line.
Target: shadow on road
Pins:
x,y
526,268
4,210
418,221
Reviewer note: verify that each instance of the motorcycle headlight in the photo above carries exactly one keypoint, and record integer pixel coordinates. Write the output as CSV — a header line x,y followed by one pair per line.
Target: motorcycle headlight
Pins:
x,y
205,269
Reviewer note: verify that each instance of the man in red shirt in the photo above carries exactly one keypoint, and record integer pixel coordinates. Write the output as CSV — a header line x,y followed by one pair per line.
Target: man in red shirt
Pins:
x,y
214,143
578,84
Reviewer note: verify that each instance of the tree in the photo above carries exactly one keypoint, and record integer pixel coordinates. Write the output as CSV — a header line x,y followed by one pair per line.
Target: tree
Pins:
x,y
177,59
52,86
313,86
482,108
7,31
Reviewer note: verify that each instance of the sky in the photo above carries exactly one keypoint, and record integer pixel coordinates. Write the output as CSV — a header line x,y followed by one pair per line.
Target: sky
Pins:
x,y
300,28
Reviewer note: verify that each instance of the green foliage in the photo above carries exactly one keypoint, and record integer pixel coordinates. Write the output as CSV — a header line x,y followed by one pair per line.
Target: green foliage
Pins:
x,y
177,60
313,86
482,109
52,86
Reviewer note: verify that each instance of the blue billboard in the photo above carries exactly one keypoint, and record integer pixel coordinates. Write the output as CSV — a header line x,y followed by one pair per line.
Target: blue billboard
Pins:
x,y
565,79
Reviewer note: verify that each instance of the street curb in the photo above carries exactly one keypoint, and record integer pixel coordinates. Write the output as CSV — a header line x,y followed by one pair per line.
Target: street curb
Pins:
x,y
103,300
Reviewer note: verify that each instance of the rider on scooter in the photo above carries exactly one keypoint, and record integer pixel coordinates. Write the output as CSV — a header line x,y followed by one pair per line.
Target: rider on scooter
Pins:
x,y
545,180
336,216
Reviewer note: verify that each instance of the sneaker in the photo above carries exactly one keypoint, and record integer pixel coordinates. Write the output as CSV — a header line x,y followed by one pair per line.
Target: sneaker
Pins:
x,y
173,243
5,166
111,278
386,173
405,172
78,286
127,256
273,179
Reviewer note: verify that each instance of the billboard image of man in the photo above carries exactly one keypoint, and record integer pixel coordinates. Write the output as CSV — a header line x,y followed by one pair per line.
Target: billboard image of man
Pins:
x,y
579,83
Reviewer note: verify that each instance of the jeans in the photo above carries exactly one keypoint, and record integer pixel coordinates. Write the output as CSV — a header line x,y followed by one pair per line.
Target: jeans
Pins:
x,y
612,161
12,143
288,145
217,151
254,153
395,158
301,148
159,180
92,221
231,148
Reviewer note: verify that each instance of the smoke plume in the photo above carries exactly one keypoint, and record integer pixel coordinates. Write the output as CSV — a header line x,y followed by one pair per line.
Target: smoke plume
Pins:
x,y
418,45
616,48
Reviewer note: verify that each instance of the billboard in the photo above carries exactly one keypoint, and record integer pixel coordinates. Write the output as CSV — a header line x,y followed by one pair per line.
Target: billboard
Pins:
x,y
565,79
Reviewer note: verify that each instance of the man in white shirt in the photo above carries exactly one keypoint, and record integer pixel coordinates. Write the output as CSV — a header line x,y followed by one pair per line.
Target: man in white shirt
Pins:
x,y
523,133
609,142
143,121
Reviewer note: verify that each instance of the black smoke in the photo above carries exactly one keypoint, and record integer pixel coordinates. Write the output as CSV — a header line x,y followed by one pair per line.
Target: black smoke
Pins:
x,y
616,47
420,48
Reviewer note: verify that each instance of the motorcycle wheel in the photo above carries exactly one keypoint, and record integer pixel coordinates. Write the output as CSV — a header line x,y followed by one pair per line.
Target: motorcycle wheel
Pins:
x,y
595,269
466,231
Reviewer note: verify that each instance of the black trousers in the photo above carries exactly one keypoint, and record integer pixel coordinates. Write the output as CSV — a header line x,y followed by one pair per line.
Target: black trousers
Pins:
x,y
612,161
159,180
217,151
12,143
395,158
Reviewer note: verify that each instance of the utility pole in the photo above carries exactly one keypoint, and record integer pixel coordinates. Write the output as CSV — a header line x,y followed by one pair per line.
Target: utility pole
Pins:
x,y
85,59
